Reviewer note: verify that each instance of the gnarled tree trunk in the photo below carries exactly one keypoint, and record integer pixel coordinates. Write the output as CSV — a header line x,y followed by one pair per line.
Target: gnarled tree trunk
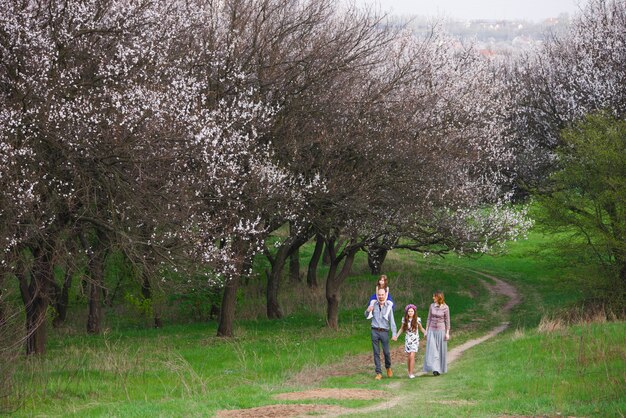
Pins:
x,y
97,255
294,260
311,276
146,292
375,259
96,284
273,309
225,327
277,263
35,295
335,279
61,298
294,266
227,310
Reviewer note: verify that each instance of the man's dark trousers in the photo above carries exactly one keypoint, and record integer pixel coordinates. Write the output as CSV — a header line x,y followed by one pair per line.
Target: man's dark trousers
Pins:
x,y
377,338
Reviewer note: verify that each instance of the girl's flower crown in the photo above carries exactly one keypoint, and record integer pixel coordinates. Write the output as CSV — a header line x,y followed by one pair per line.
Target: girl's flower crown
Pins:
x,y
409,306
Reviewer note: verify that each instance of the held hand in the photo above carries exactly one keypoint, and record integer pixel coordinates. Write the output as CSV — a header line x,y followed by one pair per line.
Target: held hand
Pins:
x,y
395,338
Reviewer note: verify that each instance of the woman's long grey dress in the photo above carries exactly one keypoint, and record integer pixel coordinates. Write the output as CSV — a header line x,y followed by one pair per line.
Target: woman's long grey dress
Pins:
x,y
436,356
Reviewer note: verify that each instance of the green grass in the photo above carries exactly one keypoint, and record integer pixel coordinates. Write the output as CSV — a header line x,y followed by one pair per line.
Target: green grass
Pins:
x,y
165,370
547,279
184,370
575,371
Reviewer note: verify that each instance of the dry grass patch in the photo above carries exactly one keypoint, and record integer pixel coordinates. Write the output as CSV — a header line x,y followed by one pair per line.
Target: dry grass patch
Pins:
x,y
519,333
271,411
575,316
360,394
549,325
348,366
453,402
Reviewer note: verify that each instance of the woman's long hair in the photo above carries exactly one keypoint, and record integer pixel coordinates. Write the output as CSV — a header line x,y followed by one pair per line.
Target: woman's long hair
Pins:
x,y
439,297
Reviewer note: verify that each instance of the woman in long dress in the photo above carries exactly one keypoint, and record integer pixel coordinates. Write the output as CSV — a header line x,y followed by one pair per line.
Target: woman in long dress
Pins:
x,y
437,336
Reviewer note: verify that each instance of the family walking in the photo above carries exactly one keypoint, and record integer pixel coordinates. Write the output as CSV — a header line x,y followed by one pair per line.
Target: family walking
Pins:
x,y
437,331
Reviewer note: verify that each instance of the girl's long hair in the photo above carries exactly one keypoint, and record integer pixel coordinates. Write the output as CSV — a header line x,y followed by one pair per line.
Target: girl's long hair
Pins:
x,y
384,278
413,324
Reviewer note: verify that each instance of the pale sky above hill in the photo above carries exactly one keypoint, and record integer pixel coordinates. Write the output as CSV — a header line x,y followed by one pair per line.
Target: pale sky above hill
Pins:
x,y
478,9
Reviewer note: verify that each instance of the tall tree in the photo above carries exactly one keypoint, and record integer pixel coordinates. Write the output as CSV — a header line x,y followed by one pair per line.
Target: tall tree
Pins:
x,y
102,113
415,148
569,101
574,73
588,192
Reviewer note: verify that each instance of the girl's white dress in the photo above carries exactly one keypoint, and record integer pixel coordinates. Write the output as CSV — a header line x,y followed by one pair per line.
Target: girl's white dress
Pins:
x,y
411,339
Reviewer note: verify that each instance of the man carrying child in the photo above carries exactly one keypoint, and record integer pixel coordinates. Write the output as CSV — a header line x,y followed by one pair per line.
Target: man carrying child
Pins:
x,y
381,324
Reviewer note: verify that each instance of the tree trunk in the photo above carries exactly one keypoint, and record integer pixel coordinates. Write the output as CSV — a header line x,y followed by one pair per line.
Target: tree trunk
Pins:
x,y
158,321
227,310
61,299
2,320
35,298
146,293
273,308
375,259
97,257
334,280
332,297
287,248
37,332
246,271
311,276
294,258
146,289
94,319
84,286
111,295
294,266
326,256
225,327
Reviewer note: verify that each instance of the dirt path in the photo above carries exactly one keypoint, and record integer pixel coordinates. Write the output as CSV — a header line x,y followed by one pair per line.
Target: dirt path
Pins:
x,y
499,288
361,362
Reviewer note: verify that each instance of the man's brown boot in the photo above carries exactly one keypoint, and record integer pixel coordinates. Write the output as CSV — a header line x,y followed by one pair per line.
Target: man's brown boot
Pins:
x,y
378,376
389,372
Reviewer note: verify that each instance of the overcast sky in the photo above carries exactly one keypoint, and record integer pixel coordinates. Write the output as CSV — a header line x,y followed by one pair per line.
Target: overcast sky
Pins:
x,y
479,9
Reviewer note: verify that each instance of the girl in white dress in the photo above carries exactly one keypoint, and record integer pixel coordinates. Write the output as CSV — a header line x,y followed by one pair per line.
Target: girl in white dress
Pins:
x,y
411,323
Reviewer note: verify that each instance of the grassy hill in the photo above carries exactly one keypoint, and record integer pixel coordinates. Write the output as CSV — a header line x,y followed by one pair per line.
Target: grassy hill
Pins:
x,y
543,365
